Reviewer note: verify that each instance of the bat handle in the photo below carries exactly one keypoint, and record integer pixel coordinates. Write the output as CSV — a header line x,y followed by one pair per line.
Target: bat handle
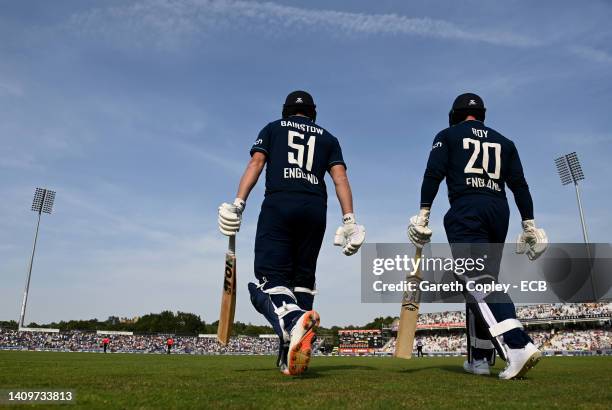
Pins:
x,y
231,248
418,253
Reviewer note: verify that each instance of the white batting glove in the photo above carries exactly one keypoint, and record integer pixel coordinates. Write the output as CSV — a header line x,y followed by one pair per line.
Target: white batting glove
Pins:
x,y
533,241
418,232
230,217
349,236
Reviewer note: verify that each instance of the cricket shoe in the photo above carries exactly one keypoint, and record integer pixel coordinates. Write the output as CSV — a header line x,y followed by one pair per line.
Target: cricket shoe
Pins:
x,y
519,361
281,360
300,345
479,367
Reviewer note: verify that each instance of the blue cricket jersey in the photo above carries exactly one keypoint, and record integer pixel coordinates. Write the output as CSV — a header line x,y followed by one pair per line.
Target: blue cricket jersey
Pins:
x,y
298,154
475,159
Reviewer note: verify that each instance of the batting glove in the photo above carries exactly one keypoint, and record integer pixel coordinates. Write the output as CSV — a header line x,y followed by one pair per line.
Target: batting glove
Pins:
x,y
349,236
418,232
533,241
230,217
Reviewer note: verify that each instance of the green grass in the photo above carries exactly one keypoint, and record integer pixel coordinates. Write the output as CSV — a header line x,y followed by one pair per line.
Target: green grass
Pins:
x,y
160,381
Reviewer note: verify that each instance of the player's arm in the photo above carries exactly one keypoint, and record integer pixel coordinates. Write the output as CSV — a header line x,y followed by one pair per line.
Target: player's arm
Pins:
x,y
343,188
532,241
251,175
435,171
349,236
230,215
515,179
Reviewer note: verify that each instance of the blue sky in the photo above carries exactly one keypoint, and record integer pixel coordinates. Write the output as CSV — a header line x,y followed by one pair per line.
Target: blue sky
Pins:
x,y
141,114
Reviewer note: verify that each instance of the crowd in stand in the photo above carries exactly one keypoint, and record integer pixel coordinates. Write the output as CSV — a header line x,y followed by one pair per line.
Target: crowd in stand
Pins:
x,y
443,343
559,340
544,311
451,317
581,340
81,341
564,310
447,343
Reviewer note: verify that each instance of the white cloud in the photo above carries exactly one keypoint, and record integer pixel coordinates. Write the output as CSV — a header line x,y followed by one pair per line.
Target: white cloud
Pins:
x,y
585,139
592,54
11,89
19,161
164,22
232,166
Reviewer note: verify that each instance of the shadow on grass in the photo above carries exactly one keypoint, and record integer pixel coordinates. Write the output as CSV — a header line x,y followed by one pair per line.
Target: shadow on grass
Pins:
x,y
320,371
446,368
315,371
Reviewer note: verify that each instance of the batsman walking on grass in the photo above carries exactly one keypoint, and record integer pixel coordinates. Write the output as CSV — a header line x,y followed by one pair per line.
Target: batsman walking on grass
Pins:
x,y
477,163
297,153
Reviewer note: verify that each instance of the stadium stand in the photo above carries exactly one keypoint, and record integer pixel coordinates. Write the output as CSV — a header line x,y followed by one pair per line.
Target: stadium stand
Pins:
x,y
91,342
552,342
557,328
531,313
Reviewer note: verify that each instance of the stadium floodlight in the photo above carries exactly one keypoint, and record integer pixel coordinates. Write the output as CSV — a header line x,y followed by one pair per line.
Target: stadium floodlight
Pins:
x,y
43,202
570,171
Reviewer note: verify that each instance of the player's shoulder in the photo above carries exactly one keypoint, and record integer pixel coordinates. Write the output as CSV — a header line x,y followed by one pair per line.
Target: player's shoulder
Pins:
x,y
498,136
443,134
327,133
272,125
329,136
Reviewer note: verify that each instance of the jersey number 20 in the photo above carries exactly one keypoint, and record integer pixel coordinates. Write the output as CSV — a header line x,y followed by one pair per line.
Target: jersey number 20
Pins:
x,y
470,169
299,160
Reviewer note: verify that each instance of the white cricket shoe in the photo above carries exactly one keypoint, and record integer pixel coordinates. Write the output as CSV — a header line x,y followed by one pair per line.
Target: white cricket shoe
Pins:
x,y
519,361
300,346
479,367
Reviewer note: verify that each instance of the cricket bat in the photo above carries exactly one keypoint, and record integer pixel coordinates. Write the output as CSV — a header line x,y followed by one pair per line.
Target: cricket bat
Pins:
x,y
228,298
409,314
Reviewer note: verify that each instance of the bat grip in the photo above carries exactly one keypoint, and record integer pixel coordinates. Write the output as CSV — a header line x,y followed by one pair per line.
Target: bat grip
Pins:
x,y
231,248
418,253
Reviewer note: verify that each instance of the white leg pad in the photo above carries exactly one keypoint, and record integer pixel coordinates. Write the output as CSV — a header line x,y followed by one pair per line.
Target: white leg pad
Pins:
x,y
284,309
305,290
504,326
280,290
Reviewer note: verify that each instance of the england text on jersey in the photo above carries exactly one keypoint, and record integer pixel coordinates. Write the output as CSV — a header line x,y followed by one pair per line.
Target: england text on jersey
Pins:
x,y
298,173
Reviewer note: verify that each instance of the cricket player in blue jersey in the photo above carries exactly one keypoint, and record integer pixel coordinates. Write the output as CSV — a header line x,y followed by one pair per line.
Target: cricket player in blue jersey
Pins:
x,y
477,163
297,153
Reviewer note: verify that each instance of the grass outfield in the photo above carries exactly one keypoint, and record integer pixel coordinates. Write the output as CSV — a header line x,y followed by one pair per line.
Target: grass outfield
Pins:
x,y
178,381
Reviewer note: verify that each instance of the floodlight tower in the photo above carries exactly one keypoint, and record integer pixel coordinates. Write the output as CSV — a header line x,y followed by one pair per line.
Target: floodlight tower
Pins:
x,y
43,202
570,170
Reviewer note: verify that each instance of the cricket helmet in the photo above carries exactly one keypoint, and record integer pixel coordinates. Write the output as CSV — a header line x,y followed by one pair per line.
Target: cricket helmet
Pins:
x,y
300,102
464,105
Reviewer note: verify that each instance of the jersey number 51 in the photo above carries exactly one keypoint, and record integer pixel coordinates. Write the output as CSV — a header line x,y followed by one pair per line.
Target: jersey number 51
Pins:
x,y
299,160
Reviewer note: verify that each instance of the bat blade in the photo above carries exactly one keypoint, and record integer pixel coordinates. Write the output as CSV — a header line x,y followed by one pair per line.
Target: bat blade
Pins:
x,y
228,298
409,314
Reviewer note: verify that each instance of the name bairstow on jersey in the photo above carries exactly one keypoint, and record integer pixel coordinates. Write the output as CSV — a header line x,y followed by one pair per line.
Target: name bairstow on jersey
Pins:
x,y
302,127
